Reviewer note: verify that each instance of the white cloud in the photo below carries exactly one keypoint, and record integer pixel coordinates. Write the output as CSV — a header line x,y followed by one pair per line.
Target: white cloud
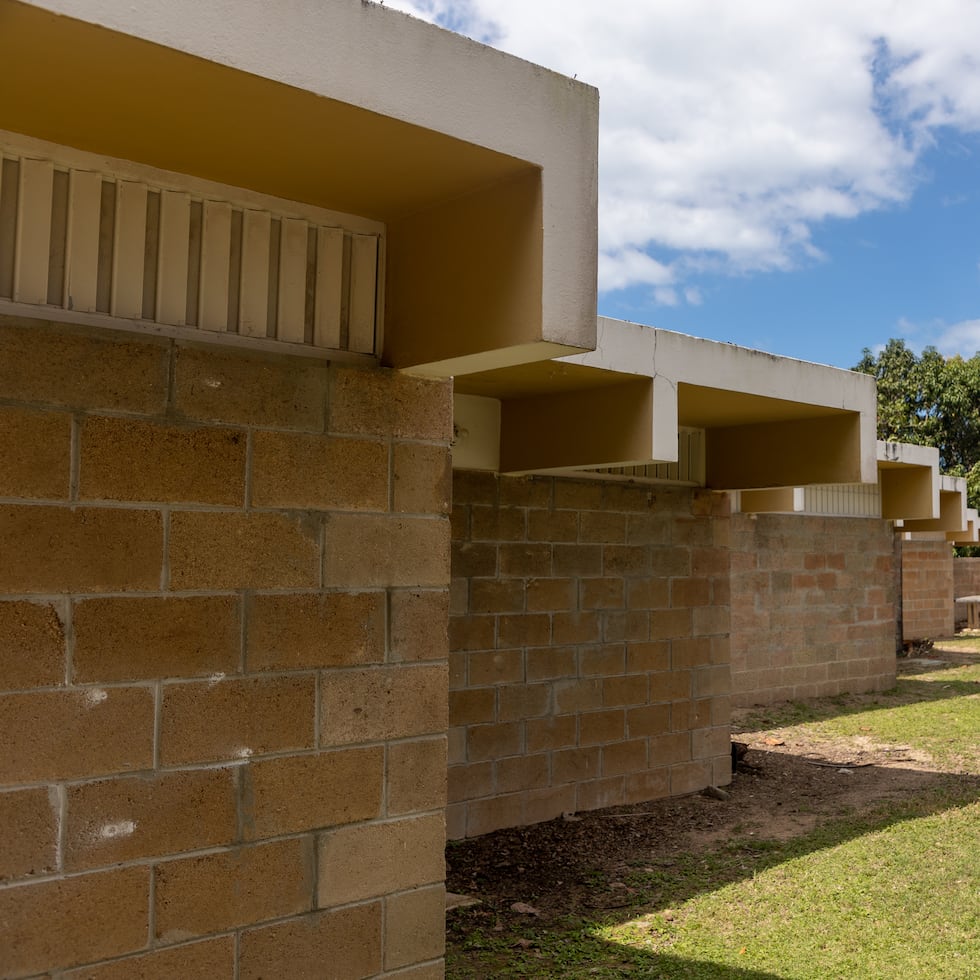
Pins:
x,y
730,131
961,338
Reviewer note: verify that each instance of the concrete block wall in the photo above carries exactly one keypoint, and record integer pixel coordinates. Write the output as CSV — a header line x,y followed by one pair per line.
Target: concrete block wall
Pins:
x,y
928,610
966,577
223,661
813,606
589,660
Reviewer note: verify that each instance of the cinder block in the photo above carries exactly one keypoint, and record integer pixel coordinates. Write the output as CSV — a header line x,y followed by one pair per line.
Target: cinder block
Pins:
x,y
670,750
415,926
389,403
712,681
628,689
29,819
456,822
486,816
312,472
470,560
497,523
575,765
651,529
416,776
601,527
132,817
707,743
577,560
347,942
552,525
630,560
666,624
380,703
602,661
602,593
523,772
486,742
212,893
494,595
303,792
692,651
207,721
525,491
423,479
599,727
577,695
496,667
132,459
375,859
522,560
624,757
548,802
472,706
578,495
75,734
315,630
554,732
365,550
689,777
617,625
136,638
519,701
470,782
643,657
212,958
597,794
575,627
211,551
551,594
87,549
523,630
32,646
675,685
248,388
648,593
474,487
650,719
651,784
49,925
544,663
36,451
82,368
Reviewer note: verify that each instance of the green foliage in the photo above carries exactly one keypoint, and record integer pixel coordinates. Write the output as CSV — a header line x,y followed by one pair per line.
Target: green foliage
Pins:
x,y
930,400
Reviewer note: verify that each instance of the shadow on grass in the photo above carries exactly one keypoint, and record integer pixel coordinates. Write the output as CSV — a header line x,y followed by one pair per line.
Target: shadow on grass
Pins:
x,y
908,690
576,901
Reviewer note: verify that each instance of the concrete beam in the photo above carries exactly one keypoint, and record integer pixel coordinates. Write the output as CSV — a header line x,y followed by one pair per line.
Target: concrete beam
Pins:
x,y
791,453
606,426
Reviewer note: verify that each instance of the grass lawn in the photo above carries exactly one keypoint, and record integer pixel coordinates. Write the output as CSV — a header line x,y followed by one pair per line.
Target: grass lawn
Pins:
x,y
889,892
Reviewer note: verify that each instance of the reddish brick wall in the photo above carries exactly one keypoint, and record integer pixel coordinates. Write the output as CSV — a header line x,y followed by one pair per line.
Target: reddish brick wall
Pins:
x,y
223,661
813,606
589,639
928,609
966,577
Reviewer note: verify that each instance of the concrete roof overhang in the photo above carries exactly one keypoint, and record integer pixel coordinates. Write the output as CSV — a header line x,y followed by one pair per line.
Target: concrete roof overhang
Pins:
x,y
482,166
769,421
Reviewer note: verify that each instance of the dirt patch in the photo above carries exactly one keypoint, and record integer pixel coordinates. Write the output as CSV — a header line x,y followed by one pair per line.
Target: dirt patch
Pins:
x,y
785,786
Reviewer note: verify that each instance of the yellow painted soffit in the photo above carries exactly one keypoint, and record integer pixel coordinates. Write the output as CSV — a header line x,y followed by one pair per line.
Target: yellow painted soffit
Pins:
x,y
706,408
85,86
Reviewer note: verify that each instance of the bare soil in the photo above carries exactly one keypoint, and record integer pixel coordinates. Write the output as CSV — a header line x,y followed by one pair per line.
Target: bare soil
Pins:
x,y
785,785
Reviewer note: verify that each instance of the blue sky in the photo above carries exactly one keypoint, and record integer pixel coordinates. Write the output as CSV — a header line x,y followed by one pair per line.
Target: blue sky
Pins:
x,y
798,177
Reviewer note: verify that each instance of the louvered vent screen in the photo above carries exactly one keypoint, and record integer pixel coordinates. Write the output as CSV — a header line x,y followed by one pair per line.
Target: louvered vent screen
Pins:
x,y
92,243
688,470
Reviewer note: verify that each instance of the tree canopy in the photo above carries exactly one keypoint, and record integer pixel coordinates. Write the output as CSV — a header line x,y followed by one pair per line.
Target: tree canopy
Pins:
x,y
930,400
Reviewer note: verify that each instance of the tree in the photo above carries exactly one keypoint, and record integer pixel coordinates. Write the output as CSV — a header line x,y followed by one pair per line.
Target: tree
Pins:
x,y
929,400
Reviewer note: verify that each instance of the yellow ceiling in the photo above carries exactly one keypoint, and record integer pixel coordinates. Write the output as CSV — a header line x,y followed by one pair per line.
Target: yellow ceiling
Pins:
x,y
82,85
